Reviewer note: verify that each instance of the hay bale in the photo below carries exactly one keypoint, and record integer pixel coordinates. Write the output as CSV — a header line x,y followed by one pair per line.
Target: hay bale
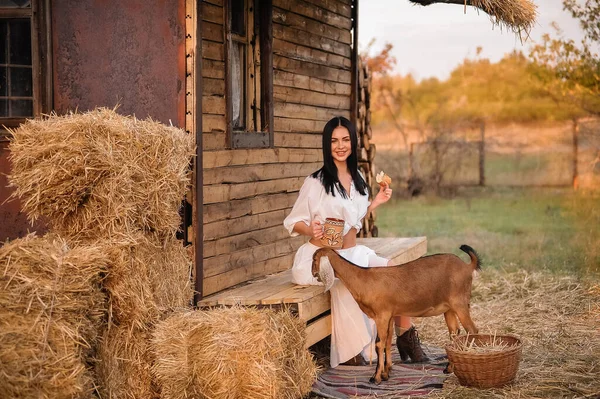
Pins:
x,y
147,277
517,15
101,174
124,364
51,306
232,353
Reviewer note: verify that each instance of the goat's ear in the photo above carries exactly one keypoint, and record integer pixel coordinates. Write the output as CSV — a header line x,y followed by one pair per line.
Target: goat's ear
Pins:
x,y
326,273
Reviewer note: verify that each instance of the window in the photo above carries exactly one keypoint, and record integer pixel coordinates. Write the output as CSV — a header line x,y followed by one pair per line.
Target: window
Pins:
x,y
249,73
24,73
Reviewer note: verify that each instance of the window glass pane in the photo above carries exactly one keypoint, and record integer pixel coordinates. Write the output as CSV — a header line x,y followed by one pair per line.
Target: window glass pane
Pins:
x,y
3,82
20,41
21,84
21,108
238,17
238,84
3,40
3,107
15,3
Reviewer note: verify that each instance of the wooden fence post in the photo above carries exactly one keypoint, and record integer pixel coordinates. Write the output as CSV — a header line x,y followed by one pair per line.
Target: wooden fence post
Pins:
x,y
575,153
482,154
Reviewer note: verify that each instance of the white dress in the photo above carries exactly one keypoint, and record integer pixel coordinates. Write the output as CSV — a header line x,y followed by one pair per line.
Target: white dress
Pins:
x,y
352,331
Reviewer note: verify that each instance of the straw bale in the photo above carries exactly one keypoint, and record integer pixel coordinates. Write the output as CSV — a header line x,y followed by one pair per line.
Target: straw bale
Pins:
x,y
148,276
232,353
101,174
124,364
51,306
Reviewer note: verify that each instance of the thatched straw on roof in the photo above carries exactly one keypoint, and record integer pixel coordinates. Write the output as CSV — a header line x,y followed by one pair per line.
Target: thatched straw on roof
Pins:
x,y
101,174
51,307
517,15
232,353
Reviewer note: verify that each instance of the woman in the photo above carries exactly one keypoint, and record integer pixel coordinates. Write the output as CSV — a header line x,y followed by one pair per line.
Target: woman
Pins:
x,y
338,190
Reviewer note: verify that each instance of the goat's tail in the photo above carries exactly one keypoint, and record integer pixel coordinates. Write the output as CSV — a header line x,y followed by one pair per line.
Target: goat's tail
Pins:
x,y
475,258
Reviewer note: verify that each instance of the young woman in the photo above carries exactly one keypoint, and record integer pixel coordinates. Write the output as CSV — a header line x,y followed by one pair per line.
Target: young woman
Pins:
x,y
338,190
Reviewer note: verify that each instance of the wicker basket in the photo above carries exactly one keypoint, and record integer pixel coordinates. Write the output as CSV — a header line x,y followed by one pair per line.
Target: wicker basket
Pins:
x,y
485,370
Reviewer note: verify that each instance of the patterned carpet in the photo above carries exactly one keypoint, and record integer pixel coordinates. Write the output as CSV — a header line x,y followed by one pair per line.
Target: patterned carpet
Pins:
x,y
406,379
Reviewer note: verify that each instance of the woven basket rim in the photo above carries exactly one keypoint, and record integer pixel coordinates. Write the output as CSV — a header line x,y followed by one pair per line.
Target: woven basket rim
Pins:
x,y
513,348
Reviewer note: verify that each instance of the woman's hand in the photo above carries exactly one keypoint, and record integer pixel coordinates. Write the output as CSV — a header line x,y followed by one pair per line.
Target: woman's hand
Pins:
x,y
383,196
316,229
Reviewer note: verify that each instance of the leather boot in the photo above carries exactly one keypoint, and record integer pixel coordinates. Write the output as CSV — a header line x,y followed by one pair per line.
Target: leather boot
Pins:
x,y
409,345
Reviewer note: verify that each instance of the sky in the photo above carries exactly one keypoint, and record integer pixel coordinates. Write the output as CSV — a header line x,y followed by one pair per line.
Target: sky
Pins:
x,y
431,41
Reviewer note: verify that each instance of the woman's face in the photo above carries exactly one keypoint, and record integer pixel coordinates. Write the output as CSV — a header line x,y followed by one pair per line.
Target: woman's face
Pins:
x,y
341,147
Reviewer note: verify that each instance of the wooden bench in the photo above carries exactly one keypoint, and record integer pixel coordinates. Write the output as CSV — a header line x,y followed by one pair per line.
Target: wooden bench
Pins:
x,y
309,302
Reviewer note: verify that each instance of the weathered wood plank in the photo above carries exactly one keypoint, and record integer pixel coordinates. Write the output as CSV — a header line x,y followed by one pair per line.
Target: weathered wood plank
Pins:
x,y
214,2
213,105
248,206
309,39
213,32
282,63
307,54
246,240
212,13
218,159
214,69
214,140
300,111
288,79
246,294
307,97
227,192
289,18
236,276
314,12
318,330
223,263
313,307
213,50
294,125
338,7
297,140
213,86
212,123
250,173
228,227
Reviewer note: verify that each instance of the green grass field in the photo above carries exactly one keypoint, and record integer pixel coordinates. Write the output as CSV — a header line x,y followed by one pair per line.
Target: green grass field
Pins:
x,y
553,230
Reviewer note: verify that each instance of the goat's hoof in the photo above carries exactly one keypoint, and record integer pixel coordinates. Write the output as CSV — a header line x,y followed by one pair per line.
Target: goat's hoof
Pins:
x,y
449,369
385,377
373,380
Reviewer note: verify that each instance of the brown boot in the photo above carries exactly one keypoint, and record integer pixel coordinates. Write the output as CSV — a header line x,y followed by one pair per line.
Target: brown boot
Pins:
x,y
409,345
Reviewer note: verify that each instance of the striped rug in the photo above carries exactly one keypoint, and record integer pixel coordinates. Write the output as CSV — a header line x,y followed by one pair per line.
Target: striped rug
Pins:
x,y
406,379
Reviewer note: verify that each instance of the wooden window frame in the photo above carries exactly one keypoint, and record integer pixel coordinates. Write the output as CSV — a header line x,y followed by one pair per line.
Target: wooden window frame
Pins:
x,y
41,60
260,43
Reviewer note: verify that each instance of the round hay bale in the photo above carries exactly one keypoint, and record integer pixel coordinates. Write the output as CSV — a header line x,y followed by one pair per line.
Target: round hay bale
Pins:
x,y
51,306
147,277
232,353
124,364
101,174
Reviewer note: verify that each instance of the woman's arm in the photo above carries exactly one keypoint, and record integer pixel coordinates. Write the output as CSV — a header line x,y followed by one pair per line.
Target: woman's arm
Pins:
x,y
313,230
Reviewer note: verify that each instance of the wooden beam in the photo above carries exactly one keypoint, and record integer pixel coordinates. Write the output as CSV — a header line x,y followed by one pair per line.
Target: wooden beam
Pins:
x,y
354,82
199,184
266,65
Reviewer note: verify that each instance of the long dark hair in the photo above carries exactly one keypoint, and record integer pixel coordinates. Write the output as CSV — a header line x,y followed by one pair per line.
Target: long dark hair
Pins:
x,y
328,174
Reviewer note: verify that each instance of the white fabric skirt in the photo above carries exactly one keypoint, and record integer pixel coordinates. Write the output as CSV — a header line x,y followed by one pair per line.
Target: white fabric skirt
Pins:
x,y
352,331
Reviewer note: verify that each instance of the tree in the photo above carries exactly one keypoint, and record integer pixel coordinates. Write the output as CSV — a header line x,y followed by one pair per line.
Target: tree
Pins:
x,y
571,71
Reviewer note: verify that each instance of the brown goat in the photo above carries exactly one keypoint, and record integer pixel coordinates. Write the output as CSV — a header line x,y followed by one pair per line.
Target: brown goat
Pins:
x,y
428,286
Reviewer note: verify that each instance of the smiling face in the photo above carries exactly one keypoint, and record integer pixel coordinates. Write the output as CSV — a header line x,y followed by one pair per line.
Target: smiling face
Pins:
x,y
341,147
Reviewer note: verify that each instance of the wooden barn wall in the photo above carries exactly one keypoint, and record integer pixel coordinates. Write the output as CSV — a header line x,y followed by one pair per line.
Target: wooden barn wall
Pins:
x,y
130,53
248,193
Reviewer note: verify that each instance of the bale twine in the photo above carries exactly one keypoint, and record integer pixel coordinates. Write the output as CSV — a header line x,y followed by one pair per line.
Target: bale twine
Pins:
x,y
232,353
101,174
51,306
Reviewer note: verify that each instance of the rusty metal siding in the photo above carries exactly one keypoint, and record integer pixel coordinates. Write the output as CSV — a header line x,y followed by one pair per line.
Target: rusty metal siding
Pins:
x,y
130,53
